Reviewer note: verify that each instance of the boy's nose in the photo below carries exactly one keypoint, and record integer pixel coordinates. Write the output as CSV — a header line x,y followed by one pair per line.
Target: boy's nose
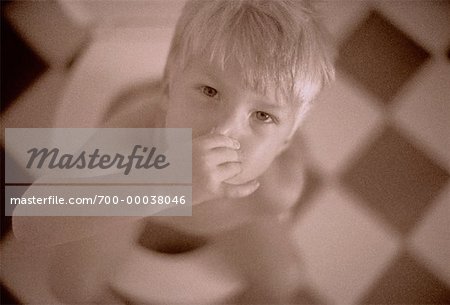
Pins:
x,y
228,127
231,118
221,130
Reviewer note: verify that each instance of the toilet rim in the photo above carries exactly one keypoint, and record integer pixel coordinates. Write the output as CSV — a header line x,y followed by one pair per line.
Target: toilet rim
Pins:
x,y
110,65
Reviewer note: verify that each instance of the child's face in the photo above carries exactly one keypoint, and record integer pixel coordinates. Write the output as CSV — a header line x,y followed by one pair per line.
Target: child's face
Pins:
x,y
211,100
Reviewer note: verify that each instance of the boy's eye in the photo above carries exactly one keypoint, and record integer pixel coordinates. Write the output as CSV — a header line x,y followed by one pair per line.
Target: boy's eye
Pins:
x,y
209,91
264,117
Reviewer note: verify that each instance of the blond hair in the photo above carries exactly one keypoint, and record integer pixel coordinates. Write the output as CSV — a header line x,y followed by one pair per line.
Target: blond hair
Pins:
x,y
275,42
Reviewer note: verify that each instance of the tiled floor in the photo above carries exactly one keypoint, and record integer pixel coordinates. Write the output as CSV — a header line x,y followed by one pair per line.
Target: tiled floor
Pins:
x,y
373,225
377,230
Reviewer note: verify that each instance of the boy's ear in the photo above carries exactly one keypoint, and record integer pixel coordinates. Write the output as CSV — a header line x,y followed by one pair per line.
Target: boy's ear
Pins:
x,y
164,94
293,137
165,88
284,146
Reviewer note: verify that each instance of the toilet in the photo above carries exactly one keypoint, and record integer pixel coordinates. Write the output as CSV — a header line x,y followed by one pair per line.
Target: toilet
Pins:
x,y
120,65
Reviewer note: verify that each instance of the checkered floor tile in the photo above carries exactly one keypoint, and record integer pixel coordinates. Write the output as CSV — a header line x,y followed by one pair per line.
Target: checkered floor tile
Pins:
x,y
376,229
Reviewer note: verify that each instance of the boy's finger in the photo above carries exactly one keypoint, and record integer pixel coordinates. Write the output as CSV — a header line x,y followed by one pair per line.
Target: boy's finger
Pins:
x,y
241,190
223,154
219,140
229,170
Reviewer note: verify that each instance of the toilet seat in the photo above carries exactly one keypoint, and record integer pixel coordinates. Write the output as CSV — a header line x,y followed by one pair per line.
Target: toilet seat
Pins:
x,y
115,61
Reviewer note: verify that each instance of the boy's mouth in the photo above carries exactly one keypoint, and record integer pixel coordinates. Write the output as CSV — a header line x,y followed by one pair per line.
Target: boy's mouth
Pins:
x,y
240,178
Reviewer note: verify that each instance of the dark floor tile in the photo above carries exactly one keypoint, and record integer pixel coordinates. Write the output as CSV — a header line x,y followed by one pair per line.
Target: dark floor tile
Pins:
x,y
20,65
407,282
380,56
395,179
6,297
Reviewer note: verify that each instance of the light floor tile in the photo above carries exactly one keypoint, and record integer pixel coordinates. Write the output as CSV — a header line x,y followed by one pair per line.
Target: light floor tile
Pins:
x,y
150,13
339,20
431,240
342,119
343,246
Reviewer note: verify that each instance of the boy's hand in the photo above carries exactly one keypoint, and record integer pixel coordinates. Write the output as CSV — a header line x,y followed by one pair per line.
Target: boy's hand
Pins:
x,y
215,159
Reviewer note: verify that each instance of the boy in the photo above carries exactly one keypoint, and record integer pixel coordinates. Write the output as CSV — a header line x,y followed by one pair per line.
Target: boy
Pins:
x,y
242,75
